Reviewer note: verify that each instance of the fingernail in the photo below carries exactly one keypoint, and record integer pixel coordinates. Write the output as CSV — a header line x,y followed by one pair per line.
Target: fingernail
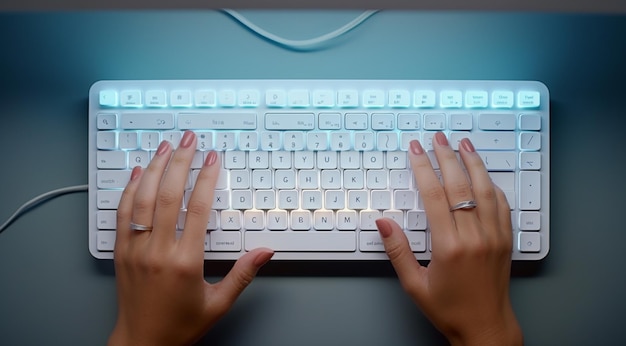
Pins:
x,y
383,228
187,139
467,145
210,158
441,139
163,147
416,147
135,173
263,258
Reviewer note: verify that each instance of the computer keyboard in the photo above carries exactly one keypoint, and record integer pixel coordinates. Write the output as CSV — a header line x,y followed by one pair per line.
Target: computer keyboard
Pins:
x,y
309,165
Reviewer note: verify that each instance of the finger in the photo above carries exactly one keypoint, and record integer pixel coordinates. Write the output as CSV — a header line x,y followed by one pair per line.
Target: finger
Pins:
x,y
409,271
170,194
430,191
504,216
241,275
125,211
457,187
482,186
200,205
145,198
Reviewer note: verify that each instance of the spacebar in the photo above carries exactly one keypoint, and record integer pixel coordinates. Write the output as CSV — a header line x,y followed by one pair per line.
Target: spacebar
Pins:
x,y
301,241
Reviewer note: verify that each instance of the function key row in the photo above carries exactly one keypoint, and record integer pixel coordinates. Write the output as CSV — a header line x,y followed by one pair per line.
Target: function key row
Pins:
x,y
277,98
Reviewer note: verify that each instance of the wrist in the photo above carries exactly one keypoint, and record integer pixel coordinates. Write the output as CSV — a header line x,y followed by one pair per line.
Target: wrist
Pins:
x,y
506,331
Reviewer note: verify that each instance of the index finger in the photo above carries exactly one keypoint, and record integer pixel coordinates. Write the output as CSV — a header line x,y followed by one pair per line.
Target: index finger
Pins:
x,y
200,204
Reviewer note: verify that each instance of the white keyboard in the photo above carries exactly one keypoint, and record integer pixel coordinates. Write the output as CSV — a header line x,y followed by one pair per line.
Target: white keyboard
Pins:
x,y
309,165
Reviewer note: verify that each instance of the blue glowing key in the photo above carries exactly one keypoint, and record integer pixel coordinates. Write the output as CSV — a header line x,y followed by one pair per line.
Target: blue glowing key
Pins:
x,y
528,99
108,98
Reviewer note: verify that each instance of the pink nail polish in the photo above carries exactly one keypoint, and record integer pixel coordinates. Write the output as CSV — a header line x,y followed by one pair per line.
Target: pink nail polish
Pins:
x,y
383,228
263,258
135,173
187,139
441,139
416,147
211,158
467,145
163,147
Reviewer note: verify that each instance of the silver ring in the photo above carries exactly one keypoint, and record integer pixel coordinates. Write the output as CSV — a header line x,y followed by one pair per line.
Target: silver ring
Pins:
x,y
139,227
471,204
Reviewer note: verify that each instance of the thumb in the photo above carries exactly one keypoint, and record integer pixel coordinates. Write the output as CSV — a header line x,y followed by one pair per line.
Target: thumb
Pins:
x,y
243,272
408,269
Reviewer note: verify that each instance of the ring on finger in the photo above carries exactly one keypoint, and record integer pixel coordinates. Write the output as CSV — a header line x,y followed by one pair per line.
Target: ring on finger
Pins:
x,y
140,227
470,204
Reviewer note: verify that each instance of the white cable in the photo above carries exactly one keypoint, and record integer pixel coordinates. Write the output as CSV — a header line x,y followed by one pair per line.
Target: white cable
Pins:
x,y
308,44
41,198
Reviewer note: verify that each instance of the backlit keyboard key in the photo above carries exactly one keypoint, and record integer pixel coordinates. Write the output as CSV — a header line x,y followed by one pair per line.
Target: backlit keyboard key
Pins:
x,y
528,99
108,98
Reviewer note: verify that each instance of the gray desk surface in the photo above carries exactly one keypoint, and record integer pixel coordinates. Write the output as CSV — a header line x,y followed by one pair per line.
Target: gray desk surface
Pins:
x,y
53,292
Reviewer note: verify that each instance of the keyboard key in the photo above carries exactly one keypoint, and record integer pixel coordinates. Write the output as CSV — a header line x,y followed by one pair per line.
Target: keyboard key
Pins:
x,y
502,99
301,241
496,121
248,98
180,98
289,121
529,242
530,190
461,121
356,121
348,98
529,141
111,159
298,98
217,121
106,140
108,98
530,122
149,121
130,98
225,241
373,98
493,140
107,219
105,240
205,98
107,121
476,99
408,121
499,161
226,98
451,99
383,121
528,99
424,98
323,98
112,179
276,98
156,98
399,98
329,121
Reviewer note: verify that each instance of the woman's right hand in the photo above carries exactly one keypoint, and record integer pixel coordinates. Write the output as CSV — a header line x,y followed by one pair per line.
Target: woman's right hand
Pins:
x,y
464,290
